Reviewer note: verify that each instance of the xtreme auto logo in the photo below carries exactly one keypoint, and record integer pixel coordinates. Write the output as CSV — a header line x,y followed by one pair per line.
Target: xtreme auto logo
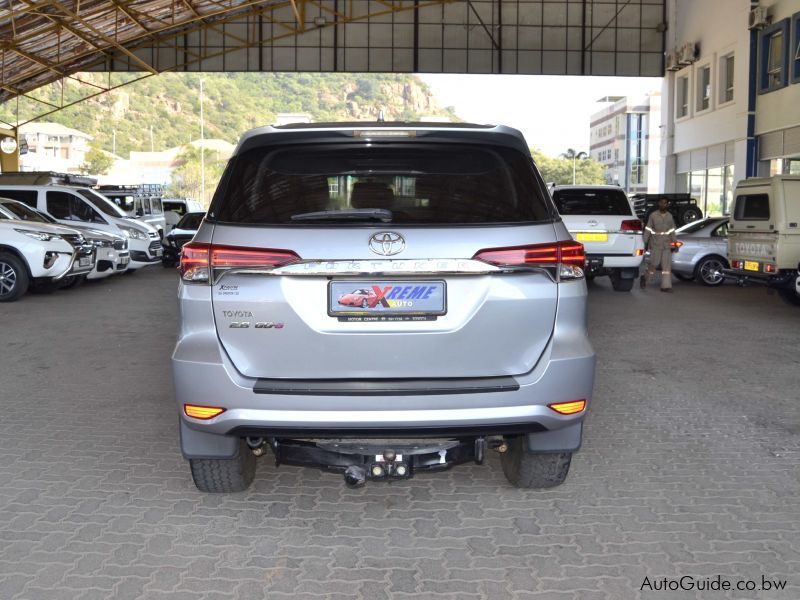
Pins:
x,y
398,296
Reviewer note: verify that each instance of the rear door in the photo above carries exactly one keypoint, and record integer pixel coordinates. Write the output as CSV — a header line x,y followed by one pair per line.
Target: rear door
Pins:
x,y
595,217
429,310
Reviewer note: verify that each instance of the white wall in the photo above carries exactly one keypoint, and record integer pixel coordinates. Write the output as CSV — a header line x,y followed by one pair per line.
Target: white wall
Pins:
x,y
719,27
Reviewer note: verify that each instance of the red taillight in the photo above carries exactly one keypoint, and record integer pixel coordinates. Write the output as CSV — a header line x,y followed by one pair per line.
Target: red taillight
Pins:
x,y
194,262
197,259
769,268
568,253
233,256
631,225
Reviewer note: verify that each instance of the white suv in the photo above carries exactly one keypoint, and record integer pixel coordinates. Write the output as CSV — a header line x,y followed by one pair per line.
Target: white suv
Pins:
x,y
39,252
69,200
112,249
601,217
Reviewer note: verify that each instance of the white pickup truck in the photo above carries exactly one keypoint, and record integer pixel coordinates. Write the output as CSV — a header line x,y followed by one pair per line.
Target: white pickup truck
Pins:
x,y
764,235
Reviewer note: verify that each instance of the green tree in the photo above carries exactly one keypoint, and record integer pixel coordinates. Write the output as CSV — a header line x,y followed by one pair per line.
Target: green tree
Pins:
x,y
97,162
559,170
186,181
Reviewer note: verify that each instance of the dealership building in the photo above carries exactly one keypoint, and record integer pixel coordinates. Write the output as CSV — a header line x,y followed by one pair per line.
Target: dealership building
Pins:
x,y
731,96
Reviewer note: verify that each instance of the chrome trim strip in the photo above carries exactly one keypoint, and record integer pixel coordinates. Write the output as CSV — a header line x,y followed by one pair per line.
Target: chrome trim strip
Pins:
x,y
380,268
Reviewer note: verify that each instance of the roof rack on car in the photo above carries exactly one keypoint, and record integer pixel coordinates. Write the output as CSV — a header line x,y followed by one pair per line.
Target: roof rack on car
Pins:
x,y
46,178
138,189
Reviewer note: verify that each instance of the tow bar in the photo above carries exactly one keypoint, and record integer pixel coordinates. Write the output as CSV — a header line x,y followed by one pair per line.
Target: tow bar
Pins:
x,y
379,460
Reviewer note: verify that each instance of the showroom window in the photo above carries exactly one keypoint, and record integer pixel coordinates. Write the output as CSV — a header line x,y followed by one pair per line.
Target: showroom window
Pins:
x,y
703,88
727,66
773,64
712,188
682,100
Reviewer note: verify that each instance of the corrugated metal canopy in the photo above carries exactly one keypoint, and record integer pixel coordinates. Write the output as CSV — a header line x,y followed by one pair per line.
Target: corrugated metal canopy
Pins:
x,y
44,41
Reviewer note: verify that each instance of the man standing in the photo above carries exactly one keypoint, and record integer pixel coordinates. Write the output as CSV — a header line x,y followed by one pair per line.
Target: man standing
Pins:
x,y
658,236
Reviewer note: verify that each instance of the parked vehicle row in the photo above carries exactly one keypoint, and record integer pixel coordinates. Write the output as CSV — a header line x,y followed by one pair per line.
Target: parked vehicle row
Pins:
x,y
758,244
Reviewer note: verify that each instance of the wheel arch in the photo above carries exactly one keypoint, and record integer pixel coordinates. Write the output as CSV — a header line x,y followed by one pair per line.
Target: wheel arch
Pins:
x,y
19,255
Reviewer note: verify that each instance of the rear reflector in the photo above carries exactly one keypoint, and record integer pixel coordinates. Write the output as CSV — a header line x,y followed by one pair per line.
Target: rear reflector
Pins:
x,y
568,408
566,252
202,412
769,268
197,259
631,225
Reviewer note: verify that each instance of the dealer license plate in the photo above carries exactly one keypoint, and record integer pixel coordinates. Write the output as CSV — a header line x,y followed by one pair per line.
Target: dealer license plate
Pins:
x,y
591,236
751,265
84,262
387,300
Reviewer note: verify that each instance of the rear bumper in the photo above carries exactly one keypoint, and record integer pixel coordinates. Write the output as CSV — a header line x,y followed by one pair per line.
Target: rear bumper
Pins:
x,y
204,375
783,279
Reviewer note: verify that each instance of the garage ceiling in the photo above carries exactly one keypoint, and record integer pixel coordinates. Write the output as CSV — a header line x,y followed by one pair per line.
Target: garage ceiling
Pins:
x,y
44,41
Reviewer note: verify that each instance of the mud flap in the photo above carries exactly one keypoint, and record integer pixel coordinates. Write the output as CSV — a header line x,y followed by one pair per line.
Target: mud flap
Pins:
x,y
566,439
200,444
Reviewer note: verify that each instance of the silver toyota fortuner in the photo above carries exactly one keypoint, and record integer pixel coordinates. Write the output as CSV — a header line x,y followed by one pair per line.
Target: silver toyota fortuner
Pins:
x,y
382,299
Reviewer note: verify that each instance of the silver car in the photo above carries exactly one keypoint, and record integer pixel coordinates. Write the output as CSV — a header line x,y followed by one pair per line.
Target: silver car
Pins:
x,y
702,251
381,299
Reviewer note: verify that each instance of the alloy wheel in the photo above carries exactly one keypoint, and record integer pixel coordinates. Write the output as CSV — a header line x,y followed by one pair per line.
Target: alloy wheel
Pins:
x,y
711,272
8,279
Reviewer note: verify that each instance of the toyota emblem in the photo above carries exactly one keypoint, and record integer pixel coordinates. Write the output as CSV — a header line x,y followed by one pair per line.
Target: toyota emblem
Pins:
x,y
387,243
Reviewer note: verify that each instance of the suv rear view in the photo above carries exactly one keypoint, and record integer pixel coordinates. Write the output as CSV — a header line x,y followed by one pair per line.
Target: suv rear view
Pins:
x,y
380,300
602,218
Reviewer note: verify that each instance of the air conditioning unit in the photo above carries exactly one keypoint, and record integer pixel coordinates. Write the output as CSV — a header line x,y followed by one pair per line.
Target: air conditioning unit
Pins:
x,y
672,62
759,18
687,54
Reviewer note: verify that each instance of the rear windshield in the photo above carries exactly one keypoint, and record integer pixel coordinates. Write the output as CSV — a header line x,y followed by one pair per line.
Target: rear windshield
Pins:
x,y
592,202
191,221
412,184
754,207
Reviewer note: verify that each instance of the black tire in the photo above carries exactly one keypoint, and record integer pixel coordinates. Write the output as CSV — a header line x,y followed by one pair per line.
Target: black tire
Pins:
x,y
226,475
689,214
621,285
526,470
789,296
708,271
15,280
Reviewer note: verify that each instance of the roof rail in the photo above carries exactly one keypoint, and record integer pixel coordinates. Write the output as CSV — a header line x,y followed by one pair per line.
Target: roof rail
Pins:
x,y
46,178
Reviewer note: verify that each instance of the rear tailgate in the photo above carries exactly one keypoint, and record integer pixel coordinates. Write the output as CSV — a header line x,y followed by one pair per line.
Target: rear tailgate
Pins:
x,y
312,324
600,218
751,251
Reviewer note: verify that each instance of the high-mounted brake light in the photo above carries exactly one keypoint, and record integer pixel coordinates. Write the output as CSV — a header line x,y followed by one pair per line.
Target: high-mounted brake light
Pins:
x,y
202,412
568,256
631,225
197,259
568,408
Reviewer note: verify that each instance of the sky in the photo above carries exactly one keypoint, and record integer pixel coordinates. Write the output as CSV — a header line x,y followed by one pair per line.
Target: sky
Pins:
x,y
552,112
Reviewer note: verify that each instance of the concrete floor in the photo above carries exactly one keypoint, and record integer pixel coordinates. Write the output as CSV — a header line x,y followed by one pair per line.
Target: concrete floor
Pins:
x,y
689,467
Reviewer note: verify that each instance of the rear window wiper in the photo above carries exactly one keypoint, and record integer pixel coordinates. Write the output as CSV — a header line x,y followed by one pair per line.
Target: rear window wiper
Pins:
x,y
347,214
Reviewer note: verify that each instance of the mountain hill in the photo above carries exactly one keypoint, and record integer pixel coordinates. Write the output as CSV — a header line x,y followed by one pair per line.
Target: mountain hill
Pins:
x,y
234,102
